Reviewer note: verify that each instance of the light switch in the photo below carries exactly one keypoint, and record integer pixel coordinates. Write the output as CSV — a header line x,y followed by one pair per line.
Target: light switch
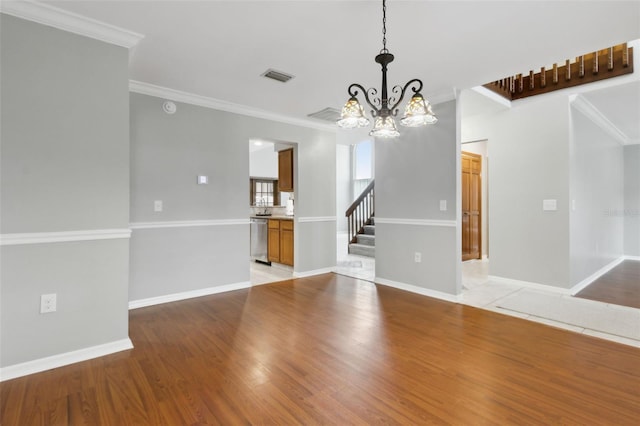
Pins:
x,y
443,205
203,180
549,205
157,206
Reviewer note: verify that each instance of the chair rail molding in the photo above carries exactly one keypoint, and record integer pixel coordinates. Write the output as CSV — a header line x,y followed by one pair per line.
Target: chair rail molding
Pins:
x,y
415,222
63,236
188,223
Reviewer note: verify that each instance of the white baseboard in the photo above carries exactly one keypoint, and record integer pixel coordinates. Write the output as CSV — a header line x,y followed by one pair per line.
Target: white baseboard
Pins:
x,y
419,290
591,278
304,274
529,284
631,258
141,303
55,361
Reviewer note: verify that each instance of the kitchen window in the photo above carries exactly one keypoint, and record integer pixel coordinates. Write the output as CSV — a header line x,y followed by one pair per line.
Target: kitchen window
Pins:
x,y
264,192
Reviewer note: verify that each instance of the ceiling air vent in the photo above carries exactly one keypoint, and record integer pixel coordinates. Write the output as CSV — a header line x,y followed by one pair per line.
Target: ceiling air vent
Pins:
x,y
277,75
327,114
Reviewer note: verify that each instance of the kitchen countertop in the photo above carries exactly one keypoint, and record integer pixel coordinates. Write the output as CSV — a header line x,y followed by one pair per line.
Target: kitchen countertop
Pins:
x,y
275,216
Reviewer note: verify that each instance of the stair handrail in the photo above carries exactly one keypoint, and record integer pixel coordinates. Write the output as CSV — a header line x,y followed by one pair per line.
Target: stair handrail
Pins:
x,y
360,212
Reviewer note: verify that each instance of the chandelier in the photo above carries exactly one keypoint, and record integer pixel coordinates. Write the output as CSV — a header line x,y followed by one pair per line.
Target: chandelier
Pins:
x,y
384,108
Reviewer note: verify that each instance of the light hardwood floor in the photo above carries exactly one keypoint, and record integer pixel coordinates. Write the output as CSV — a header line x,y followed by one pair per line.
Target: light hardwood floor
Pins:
x,y
334,350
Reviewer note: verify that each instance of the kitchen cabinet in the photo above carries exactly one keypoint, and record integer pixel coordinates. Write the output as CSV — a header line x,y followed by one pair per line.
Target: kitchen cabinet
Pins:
x,y
286,242
280,241
273,238
285,170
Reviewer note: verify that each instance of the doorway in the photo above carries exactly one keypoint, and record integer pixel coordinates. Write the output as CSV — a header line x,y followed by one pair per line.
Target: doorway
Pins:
x,y
471,206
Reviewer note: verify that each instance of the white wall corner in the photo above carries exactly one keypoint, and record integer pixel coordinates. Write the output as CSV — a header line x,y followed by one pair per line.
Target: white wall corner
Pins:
x,y
55,361
581,104
68,21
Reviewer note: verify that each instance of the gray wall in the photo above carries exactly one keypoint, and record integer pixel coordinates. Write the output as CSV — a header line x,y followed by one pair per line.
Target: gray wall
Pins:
x,y
344,196
597,192
65,167
412,174
169,151
529,147
632,200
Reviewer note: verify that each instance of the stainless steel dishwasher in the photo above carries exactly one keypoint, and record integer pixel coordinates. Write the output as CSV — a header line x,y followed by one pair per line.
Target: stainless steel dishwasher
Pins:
x,y
259,233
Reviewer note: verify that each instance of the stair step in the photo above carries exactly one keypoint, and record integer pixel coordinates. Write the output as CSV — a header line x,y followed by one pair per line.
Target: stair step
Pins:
x,y
362,250
370,229
367,240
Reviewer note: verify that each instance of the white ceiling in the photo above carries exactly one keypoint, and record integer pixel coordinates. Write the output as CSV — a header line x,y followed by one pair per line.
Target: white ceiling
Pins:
x,y
219,49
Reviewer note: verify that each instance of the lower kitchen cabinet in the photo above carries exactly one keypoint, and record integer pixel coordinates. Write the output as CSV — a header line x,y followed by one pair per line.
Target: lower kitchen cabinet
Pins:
x,y
286,242
273,250
280,241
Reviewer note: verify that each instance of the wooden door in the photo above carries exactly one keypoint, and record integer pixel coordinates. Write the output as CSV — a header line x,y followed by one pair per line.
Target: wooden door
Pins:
x,y
471,204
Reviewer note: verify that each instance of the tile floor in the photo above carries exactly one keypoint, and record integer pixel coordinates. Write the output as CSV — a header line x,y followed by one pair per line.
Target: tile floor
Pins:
x,y
611,322
263,274
352,265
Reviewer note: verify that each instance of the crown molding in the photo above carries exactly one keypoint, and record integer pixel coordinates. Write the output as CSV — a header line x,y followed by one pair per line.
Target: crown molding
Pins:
x,y
594,114
217,104
68,21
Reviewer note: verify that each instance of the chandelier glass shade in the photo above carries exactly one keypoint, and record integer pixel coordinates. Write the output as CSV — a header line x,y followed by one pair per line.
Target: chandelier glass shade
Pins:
x,y
352,115
418,112
384,108
384,127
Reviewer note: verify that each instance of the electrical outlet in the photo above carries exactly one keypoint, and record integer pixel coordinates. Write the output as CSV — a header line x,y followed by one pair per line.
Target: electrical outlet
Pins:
x,y
47,303
443,205
417,257
157,206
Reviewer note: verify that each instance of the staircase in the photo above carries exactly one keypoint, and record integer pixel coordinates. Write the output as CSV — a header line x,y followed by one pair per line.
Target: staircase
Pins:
x,y
361,224
365,244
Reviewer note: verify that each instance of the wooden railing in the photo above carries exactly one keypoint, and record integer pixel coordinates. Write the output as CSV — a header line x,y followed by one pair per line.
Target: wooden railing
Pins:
x,y
588,68
360,212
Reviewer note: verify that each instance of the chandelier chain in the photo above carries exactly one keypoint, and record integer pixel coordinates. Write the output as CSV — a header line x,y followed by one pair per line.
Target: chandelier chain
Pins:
x,y
384,27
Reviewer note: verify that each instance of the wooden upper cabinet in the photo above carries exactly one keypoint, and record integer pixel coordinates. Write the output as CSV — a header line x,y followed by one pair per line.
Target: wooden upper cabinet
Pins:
x,y
285,170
